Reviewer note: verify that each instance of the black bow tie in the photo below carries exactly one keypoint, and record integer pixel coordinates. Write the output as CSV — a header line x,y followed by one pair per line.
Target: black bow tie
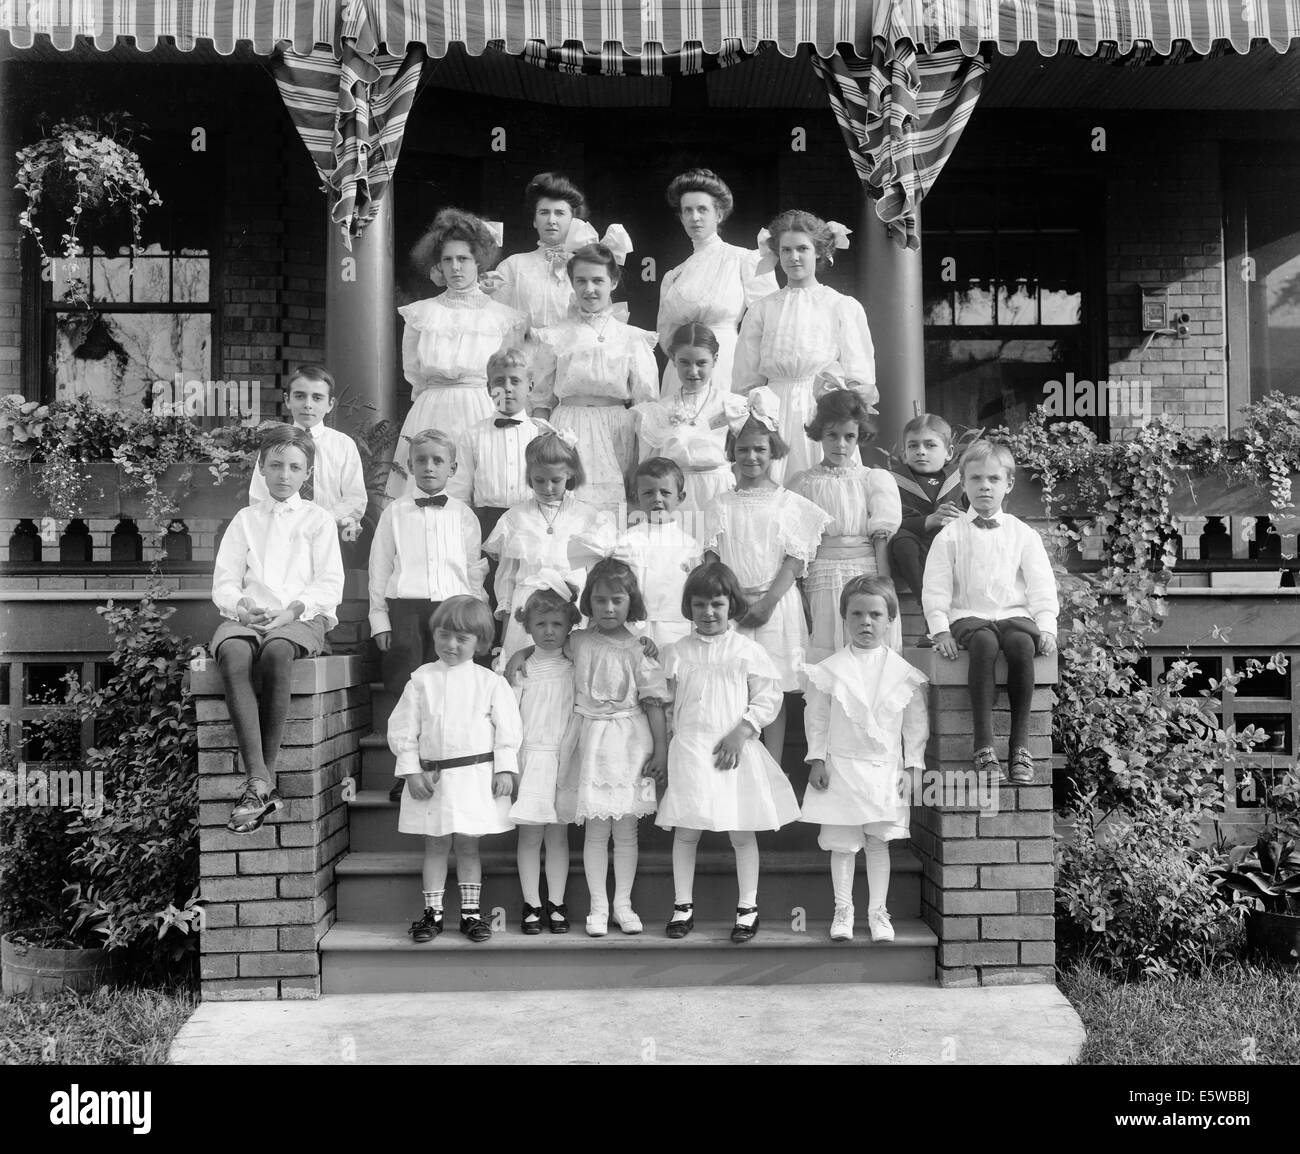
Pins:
x,y
507,422
985,523
437,502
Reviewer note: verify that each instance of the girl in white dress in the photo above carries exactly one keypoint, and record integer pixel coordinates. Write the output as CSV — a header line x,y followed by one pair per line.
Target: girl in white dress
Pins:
x,y
589,369
456,734
806,328
545,692
616,749
690,427
716,283
448,339
766,535
553,529
867,726
726,689
864,509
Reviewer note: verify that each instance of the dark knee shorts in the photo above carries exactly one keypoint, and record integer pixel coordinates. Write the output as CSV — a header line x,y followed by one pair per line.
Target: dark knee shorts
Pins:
x,y
306,637
966,627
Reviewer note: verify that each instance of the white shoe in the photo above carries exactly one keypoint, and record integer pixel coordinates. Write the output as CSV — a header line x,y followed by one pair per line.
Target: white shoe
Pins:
x,y
597,925
882,929
842,924
627,921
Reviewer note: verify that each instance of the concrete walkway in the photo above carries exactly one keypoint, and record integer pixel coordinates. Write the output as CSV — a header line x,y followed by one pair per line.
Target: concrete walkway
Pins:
x,y
834,1024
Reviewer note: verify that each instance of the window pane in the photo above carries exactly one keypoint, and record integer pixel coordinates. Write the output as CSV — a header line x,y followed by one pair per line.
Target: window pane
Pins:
x,y
1273,297
111,278
938,305
117,357
1018,303
1061,306
975,304
151,281
983,383
191,272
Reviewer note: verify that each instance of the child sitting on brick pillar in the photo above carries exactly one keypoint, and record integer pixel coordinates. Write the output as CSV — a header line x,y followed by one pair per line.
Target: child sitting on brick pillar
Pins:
x,y
456,734
989,586
278,579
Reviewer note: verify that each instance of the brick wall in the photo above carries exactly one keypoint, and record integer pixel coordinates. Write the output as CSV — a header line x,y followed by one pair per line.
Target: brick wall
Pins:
x,y
987,872
270,894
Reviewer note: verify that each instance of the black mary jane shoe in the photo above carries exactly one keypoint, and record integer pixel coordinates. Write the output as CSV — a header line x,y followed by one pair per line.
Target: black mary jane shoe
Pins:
x,y
741,933
680,928
428,927
557,918
475,928
535,926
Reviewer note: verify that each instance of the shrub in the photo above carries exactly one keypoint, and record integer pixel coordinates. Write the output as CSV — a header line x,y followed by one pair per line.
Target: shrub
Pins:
x,y
1135,896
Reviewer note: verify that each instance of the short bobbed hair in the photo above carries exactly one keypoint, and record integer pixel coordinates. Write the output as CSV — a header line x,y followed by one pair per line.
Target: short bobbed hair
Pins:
x,y
931,421
549,601
872,585
283,437
552,449
984,450
510,357
555,186
312,372
774,438
431,437
714,579
455,224
463,614
797,220
659,468
596,254
701,180
615,575
837,407
693,335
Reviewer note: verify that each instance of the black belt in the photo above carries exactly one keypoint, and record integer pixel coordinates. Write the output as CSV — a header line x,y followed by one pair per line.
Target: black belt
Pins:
x,y
454,762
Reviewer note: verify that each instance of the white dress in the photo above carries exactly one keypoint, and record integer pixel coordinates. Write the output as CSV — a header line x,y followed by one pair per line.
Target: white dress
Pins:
x,y
860,502
786,340
545,695
525,542
536,285
694,435
753,531
445,350
713,286
450,711
717,682
661,556
587,374
609,741
866,717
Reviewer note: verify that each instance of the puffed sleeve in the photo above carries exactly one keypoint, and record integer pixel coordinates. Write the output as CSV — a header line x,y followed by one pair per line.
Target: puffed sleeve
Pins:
x,y
884,506
916,728
404,728
715,525
412,367
816,722
757,284
651,428
857,355
1040,581
643,372
545,363
764,682
507,292
666,323
745,373
507,727
801,526
651,682
936,586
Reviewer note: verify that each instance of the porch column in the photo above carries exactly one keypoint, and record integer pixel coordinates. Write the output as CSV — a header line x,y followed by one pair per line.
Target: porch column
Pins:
x,y
360,321
889,286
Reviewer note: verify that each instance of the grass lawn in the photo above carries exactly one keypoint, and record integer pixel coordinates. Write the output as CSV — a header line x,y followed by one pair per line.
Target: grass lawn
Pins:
x,y
129,1027
1235,1014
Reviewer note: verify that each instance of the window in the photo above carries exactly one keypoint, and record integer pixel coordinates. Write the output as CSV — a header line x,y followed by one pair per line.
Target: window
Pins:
x,y
1008,293
152,316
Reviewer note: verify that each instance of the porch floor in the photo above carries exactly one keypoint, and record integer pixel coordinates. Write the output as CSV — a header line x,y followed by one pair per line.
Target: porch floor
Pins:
x,y
842,1024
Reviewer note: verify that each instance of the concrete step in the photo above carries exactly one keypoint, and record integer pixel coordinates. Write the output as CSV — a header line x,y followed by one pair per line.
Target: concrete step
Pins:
x,y
377,958
385,887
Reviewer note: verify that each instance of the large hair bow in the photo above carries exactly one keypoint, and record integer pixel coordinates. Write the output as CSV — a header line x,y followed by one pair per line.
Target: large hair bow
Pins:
x,y
762,406
827,382
564,585
581,234
768,261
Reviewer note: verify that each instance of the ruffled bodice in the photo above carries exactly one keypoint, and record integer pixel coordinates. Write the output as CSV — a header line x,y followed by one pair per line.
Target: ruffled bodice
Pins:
x,y
448,339
613,675
536,285
796,333
754,530
673,427
859,501
573,360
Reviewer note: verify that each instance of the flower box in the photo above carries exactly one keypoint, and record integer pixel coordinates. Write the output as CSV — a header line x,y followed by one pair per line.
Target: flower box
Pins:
x,y
21,495
109,494
192,489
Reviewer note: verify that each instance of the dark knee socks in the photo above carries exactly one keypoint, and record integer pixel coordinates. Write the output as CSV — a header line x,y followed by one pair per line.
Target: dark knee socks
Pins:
x,y
276,667
235,660
983,648
1019,648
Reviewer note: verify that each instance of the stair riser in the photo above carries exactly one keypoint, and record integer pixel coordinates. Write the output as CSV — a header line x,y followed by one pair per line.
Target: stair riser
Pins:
x,y
396,898
434,971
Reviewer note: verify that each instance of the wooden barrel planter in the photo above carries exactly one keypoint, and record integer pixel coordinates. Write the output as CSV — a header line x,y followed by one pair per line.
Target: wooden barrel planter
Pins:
x,y
41,970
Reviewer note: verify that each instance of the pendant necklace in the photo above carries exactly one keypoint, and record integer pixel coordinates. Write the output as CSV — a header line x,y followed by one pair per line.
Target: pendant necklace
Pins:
x,y
550,521
600,332
680,417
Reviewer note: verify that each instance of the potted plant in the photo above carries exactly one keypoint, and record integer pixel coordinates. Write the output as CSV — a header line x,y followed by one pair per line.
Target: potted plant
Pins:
x,y
80,169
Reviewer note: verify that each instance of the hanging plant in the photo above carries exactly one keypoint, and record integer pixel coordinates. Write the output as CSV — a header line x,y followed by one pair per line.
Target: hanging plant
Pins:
x,y
82,167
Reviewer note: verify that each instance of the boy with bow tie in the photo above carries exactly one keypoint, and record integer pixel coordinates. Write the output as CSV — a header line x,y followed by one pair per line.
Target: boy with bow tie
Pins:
x,y
989,587
277,580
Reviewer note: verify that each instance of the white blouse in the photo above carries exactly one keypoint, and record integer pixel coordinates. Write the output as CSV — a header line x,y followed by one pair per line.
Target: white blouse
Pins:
x,y
754,530
537,285
796,333
860,502
605,359
694,437
448,339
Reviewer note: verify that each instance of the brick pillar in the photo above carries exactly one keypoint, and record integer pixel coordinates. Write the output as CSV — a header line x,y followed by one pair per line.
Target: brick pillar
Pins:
x,y
270,894
987,874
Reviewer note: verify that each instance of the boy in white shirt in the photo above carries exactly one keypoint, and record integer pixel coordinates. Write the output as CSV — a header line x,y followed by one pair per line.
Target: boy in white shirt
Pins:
x,y
491,473
338,483
989,586
278,580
